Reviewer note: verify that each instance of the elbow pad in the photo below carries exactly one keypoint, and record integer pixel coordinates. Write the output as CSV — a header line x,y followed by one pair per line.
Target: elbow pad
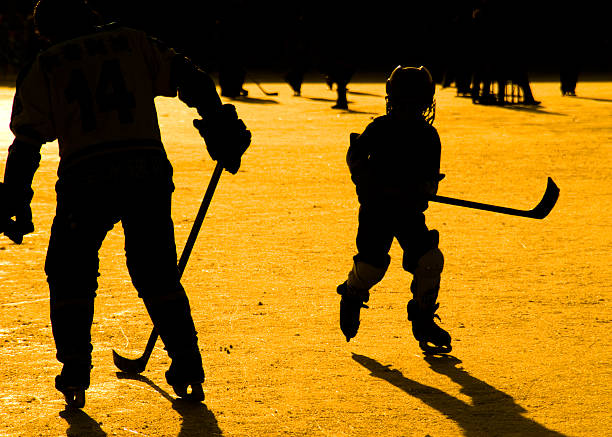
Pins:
x,y
195,87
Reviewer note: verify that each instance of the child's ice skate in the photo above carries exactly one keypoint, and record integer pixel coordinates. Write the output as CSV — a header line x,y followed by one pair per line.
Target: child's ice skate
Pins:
x,y
350,307
432,339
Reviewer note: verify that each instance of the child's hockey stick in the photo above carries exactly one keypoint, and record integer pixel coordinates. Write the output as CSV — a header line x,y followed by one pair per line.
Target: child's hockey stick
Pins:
x,y
540,211
138,365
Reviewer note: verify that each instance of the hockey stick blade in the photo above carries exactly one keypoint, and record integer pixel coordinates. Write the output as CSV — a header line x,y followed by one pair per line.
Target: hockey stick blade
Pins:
x,y
138,365
540,211
267,93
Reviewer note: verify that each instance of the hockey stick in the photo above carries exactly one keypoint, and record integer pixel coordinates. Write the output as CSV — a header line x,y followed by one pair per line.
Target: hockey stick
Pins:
x,y
138,365
261,88
540,211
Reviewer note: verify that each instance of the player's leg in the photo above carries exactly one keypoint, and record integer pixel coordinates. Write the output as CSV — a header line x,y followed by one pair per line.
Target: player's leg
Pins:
x,y
425,261
72,271
152,263
374,240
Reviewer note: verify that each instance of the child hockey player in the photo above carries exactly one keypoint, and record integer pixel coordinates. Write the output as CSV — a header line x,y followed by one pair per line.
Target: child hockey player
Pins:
x,y
93,90
395,165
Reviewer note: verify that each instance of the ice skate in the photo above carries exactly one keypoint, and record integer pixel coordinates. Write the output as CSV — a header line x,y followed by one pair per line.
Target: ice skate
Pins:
x,y
186,372
75,398
195,395
350,307
432,339
73,393
73,381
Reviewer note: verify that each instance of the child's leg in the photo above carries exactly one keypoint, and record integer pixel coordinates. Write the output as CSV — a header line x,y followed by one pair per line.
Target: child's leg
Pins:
x,y
374,240
425,261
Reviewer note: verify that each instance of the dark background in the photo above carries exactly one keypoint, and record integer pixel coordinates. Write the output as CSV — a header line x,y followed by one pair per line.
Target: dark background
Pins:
x,y
374,35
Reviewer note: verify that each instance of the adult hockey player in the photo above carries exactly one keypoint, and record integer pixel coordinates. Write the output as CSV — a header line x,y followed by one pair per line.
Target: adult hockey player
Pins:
x,y
93,90
395,165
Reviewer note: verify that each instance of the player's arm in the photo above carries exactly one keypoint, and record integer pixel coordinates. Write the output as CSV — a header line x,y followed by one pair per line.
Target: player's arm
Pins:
x,y
358,157
358,161
226,136
32,126
21,164
194,86
431,176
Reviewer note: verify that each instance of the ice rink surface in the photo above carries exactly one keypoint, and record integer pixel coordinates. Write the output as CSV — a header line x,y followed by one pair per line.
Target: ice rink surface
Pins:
x,y
527,302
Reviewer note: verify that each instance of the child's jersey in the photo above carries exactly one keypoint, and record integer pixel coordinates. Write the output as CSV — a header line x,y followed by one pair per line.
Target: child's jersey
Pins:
x,y
395,162
94,93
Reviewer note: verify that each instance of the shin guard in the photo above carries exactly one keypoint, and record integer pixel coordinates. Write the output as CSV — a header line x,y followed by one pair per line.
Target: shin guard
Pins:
x,y
422,308
426,281
362,277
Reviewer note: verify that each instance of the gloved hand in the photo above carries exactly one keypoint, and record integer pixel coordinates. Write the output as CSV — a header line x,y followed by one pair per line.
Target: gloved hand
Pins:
x,y
430,188
226,136
17,205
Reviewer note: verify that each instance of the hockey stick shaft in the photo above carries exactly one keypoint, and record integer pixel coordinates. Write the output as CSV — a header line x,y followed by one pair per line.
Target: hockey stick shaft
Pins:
x,y
138,365
540,211
197,224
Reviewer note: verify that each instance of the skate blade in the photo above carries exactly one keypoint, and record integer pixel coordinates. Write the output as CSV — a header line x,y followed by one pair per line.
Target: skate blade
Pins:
x,y
434,350
195,395
75,399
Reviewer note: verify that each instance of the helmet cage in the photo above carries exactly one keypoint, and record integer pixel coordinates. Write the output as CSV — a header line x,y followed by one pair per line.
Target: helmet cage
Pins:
x,y
411,89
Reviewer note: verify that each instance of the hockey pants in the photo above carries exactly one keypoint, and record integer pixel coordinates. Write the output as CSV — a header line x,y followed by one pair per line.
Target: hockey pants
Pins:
x,y
421,257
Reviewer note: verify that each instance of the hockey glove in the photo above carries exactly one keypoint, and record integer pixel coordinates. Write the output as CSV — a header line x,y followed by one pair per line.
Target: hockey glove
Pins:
x,y
226,136
13,205
427,189
16,191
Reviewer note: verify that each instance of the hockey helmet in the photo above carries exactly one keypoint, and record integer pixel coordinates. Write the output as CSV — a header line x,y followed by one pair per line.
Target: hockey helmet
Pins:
x,y
412,86
62,19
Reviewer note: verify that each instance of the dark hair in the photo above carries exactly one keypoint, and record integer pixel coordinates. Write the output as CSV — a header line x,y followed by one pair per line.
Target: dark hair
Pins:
x,y
58,20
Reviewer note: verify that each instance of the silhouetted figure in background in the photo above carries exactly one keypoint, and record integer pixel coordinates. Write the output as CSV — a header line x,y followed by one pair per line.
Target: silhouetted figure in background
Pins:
x,y
93,90
230,25
335,49
463,57
520,77
395,165
339,72
486,49
457,49
570,25
502,60
515,25
297,49
569,77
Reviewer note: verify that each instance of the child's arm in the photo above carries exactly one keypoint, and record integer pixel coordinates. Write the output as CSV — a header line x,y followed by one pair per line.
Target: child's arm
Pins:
x,y
431,176
357,159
